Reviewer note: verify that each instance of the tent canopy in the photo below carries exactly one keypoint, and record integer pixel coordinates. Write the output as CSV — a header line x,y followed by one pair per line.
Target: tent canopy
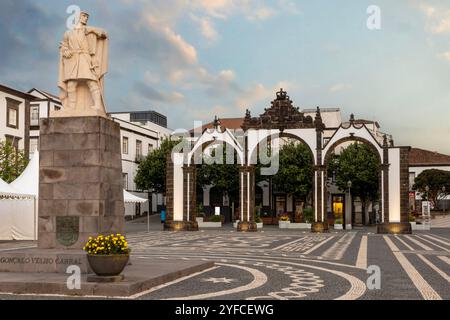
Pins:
x,y
28,182
131,198
7,190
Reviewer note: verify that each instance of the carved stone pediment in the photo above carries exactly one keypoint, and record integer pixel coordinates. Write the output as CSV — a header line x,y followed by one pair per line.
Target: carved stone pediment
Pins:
x,y
281,115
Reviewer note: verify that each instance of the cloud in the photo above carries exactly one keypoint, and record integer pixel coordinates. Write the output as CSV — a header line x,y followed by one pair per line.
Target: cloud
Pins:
x,y
445,55
438,19
206,28
148,92
340,87
258,93
261,13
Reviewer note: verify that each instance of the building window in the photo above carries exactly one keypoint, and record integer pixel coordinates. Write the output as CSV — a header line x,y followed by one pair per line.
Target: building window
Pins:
x,y
125,180
34,112
138,150
150,148
34,145
12,113
34,115
125,145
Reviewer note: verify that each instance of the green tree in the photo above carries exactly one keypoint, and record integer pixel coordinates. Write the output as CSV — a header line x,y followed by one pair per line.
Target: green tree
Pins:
x,y
359,164
435,179
295,173
12,162
151,173
225,177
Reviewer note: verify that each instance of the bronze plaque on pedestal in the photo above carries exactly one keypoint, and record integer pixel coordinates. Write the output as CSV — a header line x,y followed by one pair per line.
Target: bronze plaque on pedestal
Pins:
x,y
67,230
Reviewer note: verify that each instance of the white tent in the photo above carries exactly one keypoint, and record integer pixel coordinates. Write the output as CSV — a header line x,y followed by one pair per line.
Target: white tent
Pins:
x,y
131,198
7,191
17,208
28,182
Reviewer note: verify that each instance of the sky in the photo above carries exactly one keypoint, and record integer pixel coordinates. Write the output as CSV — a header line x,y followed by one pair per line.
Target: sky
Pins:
x,y
194,59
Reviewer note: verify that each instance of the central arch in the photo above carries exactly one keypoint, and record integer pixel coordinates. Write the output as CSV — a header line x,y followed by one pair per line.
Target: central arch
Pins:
x,y
267,137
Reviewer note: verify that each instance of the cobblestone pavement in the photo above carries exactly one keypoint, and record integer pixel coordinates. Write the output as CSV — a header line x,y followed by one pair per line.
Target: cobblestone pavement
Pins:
x,y
289,264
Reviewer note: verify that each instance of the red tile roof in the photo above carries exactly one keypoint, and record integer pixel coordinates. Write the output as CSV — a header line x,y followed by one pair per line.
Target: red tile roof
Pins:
x,y
420,157
229,123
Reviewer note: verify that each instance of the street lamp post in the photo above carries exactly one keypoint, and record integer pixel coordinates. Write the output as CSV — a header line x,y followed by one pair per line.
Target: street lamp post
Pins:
x,y
443,205
349,185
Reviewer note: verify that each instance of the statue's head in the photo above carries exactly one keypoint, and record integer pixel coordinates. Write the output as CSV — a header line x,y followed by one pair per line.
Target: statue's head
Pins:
x,y
84,17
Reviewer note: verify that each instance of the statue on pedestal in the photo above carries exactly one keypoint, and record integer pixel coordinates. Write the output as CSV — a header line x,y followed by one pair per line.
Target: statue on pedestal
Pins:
x,y
83,65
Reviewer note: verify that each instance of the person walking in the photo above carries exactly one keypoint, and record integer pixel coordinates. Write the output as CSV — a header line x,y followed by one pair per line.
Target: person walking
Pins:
x,y
163,216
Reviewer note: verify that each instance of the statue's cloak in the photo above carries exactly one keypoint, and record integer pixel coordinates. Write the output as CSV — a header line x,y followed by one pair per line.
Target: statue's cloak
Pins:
x,y
100,49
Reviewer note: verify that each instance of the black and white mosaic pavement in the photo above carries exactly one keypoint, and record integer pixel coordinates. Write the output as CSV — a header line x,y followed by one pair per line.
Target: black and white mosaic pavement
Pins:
x,y
294,264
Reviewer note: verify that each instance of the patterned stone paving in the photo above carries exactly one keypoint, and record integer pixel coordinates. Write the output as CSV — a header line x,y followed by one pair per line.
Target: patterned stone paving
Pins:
x,y
288,265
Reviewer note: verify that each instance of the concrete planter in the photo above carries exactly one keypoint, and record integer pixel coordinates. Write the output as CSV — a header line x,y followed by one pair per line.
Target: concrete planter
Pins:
x,y
299,226
108,265
210,224
259,225
283,224
338,226
415,226
199,219
348,227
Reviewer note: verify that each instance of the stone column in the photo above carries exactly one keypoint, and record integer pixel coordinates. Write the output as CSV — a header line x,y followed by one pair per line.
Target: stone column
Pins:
x,y
247,198
404,184
190,196
320,224
385,170
182,224
402,227
80,181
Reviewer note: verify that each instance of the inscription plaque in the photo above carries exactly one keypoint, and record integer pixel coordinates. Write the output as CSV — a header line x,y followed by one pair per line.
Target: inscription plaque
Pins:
x,y
67,230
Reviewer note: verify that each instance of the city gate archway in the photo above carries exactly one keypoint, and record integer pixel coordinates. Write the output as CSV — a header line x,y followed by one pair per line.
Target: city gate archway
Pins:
x,y
282,118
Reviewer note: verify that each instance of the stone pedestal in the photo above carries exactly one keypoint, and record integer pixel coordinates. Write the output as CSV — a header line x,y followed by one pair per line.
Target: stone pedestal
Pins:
x,y
245,226
80,194
394,228
319,227
81,184
180,226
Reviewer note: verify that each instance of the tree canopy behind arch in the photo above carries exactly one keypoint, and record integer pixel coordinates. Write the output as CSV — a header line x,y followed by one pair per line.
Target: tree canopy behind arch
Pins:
x,y
151,173
225,177
359,164
295,173
435,179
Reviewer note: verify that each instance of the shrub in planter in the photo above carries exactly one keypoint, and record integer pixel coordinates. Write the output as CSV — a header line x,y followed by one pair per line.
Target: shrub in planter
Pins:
x,y
338,221
284,218
215,219
308,215
107,255
412,218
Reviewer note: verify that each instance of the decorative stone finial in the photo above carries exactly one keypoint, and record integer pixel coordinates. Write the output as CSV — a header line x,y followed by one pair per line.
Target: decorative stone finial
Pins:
x,y
282,95
352,119
216,123
385,142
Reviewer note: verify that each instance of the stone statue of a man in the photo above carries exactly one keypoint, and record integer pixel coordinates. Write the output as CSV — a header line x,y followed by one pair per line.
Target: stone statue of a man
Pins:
x,y
83,65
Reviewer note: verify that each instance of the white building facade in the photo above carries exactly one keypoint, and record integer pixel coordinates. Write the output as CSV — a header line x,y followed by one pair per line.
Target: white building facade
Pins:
x,y
15,117
141,133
